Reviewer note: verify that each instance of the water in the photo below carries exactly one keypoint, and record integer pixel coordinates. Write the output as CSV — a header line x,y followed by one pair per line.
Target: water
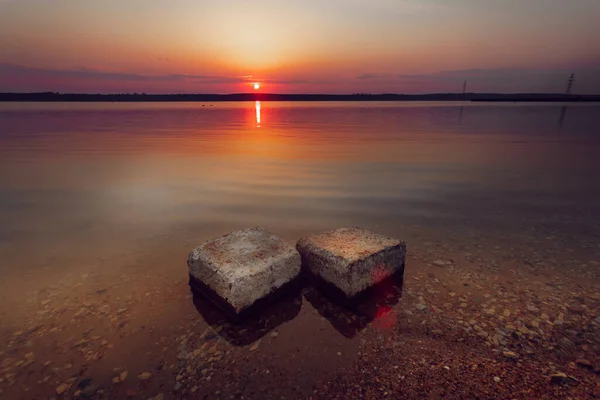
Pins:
x,y
97,196
80,175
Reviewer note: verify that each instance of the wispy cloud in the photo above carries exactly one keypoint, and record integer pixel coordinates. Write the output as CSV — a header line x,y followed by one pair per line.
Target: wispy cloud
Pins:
x,y
85,78
373,76
93,74
23,78
86,73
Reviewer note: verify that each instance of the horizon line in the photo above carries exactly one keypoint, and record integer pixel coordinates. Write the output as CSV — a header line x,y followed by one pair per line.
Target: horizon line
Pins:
x,y
303,94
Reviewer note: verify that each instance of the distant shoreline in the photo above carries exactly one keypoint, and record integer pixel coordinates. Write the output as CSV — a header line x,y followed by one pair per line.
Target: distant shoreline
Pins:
x,y
476,97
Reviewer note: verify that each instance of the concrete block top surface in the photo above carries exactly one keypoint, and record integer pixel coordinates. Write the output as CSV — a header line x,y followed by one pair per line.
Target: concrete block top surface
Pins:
x,y
245,265
352,259
243,252
351,244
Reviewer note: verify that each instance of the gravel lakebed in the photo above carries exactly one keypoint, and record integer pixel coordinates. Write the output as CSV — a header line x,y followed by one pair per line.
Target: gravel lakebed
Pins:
x,y
471,320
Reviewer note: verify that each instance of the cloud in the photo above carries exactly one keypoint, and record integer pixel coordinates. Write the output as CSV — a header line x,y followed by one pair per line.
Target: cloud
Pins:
x,y
91,74
373,76
18,78
22,78
283,81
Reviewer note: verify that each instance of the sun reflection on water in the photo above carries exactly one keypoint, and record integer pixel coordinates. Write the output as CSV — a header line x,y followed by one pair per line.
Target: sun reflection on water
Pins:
x,y
257,114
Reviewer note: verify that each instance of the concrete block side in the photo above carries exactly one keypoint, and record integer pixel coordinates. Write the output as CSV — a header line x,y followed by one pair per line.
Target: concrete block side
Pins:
x,y
246,289
207,272
242,290
322,263
286,269
371,270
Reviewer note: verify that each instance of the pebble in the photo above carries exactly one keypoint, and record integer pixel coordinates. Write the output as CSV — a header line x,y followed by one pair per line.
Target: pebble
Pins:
x,y
439,263
123,375
420,306
62,388
532,308
558,378
534,323
510,354
274,334
497,379
255,346
145,376
523,330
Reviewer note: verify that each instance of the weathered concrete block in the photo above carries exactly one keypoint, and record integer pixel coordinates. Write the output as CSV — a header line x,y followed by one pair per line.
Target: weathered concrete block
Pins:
x,y
244,266
352,259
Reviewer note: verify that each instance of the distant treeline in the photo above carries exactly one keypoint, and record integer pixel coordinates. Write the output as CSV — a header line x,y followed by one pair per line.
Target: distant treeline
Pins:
x,y
132,97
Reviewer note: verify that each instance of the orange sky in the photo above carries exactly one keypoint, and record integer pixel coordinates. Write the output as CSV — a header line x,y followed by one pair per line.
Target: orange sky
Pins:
x,y
334,46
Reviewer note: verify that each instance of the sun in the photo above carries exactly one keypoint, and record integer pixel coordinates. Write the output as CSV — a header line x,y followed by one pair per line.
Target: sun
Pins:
x,y
256,86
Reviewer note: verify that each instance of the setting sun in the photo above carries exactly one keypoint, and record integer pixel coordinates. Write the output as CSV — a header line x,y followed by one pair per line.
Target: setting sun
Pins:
x,y
256,86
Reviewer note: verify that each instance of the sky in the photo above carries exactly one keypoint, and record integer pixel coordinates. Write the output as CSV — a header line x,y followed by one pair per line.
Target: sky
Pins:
x,y
291,46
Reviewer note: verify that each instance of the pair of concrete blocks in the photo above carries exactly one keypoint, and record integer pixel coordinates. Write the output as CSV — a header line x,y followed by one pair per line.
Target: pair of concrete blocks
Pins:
x,y
240,269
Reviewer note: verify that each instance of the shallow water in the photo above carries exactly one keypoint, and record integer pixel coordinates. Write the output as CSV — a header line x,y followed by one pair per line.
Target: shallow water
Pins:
x,y
97,197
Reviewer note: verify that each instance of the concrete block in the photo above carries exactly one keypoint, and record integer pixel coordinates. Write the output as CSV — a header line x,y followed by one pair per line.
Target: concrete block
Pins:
x,y
243,267
352,259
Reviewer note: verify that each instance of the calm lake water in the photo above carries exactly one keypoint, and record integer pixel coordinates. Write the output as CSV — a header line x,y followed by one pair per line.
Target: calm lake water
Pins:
x,y
95,178
100,205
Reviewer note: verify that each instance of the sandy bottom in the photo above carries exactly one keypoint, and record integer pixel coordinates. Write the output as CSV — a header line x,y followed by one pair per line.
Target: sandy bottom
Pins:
x,y
471,320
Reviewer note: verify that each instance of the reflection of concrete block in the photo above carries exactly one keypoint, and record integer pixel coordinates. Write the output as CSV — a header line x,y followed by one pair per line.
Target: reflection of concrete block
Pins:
x,y
352,259
244,266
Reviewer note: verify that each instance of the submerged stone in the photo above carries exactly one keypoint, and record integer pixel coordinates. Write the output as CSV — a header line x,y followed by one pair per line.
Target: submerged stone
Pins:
x,y
352,259
243,267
